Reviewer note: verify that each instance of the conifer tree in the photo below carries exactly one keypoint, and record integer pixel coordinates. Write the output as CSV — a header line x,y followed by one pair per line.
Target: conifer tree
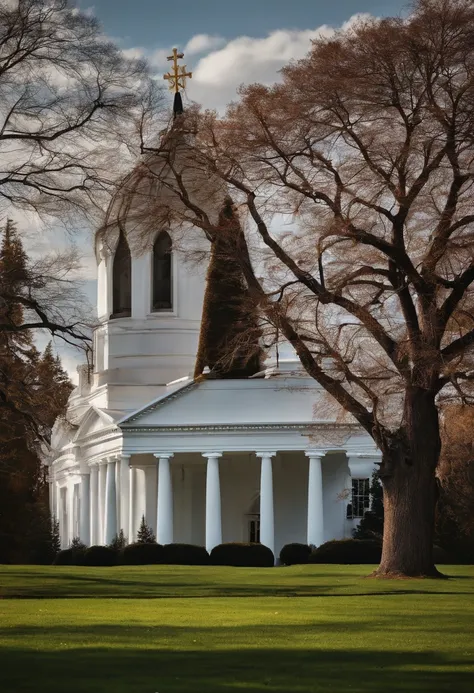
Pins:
x,y
229,338
33,392
145,534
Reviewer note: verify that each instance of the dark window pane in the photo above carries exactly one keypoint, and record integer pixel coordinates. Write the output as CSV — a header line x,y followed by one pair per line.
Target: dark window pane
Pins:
x,y
360,497
162,273
122,279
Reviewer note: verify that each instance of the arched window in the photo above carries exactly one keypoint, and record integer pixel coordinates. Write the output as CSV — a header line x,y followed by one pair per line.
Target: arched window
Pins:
x,y
162,298
122,280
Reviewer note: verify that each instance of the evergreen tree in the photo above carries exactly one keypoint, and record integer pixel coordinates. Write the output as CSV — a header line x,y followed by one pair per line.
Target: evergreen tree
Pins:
x,y
229,337
33,392
145,533
371,525
119,542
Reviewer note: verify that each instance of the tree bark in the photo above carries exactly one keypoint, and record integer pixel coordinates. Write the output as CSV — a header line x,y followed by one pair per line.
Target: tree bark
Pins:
x,y
410,491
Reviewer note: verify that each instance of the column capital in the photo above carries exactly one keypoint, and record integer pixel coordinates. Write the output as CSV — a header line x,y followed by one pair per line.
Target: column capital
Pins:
x,y
211,455
163,455
363,463
125,455
314,453
266,453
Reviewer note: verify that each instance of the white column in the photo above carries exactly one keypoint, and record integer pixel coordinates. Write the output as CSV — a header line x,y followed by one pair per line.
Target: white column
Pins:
x,y
164,511
94,504
51,484
315,527
84,509
63,516
150,488
101,494
124,472
213,501
131,508
70,511
267,524
110,503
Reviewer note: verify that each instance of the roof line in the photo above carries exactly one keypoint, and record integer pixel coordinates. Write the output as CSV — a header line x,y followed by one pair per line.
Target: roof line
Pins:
x,y
157,402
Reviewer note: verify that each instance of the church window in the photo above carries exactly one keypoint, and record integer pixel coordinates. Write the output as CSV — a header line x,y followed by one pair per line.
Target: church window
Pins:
x,y
253,521
122,280
162,273
254,530
360,497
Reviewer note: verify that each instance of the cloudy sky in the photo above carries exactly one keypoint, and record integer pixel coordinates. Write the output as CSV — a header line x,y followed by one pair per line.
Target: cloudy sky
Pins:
x,y
225,44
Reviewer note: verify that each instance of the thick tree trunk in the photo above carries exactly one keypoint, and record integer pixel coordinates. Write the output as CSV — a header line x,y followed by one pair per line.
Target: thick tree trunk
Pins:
x,y
410,492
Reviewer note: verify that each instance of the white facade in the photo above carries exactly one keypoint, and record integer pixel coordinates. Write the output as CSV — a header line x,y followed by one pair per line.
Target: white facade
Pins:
x,y
203,461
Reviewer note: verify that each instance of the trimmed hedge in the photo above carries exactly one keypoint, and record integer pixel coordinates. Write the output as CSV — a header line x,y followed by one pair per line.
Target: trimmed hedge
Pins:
x,y
141,554
295,554
242,555
348,551
184,554
100,556
64,557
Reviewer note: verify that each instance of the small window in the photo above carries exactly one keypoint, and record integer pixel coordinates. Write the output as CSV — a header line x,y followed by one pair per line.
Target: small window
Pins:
x,y
162,273
254,530
122,280
360,498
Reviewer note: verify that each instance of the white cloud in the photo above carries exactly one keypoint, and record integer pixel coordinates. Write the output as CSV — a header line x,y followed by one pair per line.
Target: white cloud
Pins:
x,y
246,59
202,43
224,66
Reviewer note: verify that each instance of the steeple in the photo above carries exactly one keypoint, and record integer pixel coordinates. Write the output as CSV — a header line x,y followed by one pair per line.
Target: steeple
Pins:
x,y
177,80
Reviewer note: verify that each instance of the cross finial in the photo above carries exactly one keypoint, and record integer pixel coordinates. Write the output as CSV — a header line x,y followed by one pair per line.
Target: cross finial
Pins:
x,y
177,76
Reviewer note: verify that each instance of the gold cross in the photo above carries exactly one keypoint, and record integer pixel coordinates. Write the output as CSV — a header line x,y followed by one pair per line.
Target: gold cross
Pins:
x,y
177,78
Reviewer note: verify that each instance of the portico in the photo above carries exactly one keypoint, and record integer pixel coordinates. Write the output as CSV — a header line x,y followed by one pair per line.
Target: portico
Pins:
x,y
217,461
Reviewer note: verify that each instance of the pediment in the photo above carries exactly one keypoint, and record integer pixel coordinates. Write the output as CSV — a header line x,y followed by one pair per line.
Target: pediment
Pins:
x,y
62,434
93,421
238,402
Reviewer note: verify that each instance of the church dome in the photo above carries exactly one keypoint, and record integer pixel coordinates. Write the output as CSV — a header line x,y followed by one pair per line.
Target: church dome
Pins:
x,y
147,201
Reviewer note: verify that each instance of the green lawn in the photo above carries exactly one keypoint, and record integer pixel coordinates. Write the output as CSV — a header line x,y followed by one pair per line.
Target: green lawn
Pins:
x,y
175,629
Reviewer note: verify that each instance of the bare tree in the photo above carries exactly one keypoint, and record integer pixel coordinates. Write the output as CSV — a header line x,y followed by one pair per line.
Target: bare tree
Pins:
x,y
369,144
70,106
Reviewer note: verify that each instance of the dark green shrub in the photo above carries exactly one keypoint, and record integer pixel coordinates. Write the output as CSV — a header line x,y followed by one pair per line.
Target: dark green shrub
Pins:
x,y
64,557
141,554
78,549
185,554
294,554
242,555
100,556
349,551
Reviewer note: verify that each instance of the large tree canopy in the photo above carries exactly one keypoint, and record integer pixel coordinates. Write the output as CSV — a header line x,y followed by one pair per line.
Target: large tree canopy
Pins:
x,y
368,143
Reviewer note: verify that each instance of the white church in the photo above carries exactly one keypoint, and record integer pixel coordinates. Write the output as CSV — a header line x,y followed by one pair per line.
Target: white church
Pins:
x,y
204,460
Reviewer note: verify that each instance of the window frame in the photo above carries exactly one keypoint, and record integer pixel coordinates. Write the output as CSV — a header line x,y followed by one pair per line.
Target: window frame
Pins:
x,y
115,314
169,310
360,498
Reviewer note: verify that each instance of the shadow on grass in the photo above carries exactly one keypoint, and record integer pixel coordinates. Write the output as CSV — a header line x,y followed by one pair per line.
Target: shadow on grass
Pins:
x,y
134,670
93,583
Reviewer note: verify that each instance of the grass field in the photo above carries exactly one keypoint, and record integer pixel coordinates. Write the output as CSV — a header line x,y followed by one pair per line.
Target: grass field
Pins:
x,y
176,629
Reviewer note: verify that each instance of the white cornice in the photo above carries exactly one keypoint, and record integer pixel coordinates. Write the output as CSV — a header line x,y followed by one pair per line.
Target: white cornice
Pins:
x,y
244,428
